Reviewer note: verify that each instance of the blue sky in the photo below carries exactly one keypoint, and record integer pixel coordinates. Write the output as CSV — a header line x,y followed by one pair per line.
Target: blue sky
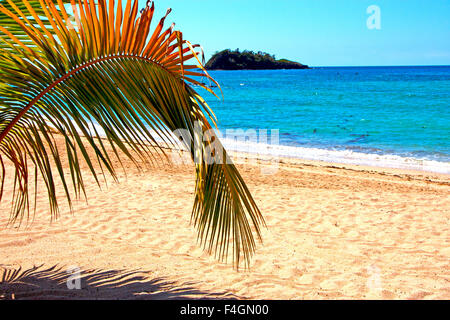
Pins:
x,y
319,32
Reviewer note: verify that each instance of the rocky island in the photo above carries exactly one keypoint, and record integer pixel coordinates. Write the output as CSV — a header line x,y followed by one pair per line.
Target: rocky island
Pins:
x,y
249,60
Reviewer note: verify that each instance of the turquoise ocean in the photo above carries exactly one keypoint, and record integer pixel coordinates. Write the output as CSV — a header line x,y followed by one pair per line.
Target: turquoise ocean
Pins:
x,y
383,116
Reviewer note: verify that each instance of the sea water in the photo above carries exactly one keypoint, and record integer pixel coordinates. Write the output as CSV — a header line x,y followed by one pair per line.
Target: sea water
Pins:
x,y
382,116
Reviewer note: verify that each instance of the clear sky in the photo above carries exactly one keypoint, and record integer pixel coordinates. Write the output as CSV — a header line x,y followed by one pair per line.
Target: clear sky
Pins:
x,y
319,32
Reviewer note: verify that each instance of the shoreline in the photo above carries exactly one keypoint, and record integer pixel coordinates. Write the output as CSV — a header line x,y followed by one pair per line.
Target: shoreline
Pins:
x,y
339,157
330,156
240,157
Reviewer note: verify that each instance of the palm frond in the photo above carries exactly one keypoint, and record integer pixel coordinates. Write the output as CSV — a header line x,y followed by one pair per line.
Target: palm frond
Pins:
x,y
10,26
109,71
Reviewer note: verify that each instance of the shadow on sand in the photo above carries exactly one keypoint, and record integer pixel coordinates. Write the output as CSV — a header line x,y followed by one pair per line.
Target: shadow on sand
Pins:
x,y
54,283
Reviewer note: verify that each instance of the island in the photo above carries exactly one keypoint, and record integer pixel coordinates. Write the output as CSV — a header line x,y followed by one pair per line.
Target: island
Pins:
x,y
249,60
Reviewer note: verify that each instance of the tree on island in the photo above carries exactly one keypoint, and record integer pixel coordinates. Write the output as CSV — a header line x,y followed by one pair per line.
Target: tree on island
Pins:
x,y
249,60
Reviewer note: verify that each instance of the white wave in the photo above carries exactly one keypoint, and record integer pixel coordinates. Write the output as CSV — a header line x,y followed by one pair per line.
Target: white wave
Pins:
x,y
317,154
336,156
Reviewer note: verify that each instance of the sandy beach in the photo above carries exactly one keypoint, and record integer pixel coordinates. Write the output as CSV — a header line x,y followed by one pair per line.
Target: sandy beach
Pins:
x,y
333,232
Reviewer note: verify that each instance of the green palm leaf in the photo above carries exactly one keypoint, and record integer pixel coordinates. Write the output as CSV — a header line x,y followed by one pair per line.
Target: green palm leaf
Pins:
x,y
109,71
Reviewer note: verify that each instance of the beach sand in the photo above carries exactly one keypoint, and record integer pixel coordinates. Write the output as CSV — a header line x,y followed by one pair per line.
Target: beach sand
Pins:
x,y
333,232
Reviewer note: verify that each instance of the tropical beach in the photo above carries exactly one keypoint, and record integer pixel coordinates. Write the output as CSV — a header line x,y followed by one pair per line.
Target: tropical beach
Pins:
x,y
135,164
333,232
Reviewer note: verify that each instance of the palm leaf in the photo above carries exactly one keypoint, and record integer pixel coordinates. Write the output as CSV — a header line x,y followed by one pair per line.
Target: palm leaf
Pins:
x,y
109,71
9,25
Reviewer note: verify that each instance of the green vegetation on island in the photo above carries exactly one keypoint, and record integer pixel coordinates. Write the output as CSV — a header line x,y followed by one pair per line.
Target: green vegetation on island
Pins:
x,y
249,60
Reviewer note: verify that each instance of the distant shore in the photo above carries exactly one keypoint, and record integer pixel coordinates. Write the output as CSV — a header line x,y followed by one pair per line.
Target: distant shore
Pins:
x,y
249,60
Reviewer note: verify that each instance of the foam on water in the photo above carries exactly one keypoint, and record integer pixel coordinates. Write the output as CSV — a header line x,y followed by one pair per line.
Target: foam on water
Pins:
x,y
338,156
317,154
